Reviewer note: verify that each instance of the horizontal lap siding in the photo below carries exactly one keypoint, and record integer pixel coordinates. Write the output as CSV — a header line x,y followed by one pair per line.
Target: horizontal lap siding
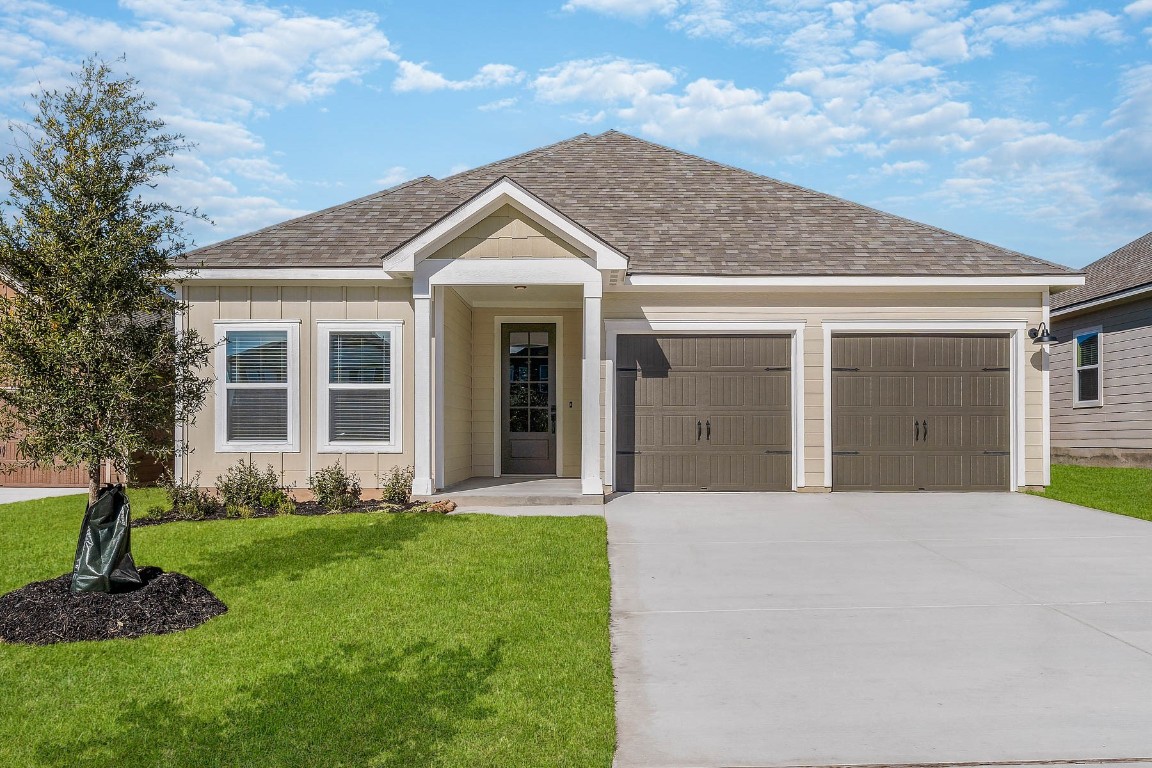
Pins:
x,y
815,309
1124,420
308,304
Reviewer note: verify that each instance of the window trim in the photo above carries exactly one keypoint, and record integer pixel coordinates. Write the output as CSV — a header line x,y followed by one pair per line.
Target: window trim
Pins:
x,y
1076,367
223,444
324,329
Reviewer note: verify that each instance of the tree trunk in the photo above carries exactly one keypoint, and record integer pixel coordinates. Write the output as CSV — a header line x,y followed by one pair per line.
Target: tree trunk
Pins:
x,y
94,481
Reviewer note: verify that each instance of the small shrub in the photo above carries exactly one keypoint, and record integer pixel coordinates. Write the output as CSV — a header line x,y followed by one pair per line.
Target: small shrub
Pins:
x,y
242,511
153,512
243,485
335,488
285,506
188,500
396,485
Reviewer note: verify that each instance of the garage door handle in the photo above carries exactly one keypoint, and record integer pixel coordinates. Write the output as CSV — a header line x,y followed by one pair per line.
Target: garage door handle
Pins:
x,y
708,429
925,429
917,438
698,430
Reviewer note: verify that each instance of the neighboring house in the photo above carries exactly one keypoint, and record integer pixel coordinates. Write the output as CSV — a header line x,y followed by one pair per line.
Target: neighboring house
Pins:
x,y
1102,365
15,473
612,310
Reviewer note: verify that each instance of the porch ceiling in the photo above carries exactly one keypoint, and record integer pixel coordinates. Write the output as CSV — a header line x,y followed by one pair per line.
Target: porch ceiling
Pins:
x,y
529,295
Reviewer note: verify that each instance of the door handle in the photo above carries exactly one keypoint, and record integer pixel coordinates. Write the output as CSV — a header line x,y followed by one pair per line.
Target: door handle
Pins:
x,y
917,438
708,429
925,429
698,430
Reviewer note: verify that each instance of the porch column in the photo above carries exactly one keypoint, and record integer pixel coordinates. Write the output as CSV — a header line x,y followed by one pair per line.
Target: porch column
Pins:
x,y
422,396
590,478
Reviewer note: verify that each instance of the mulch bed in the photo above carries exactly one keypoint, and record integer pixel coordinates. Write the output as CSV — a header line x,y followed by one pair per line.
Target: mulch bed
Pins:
x,y
46,612
306,508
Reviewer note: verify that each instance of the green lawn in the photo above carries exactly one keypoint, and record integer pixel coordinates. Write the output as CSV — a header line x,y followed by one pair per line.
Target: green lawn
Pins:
x,y
1125,491
350,640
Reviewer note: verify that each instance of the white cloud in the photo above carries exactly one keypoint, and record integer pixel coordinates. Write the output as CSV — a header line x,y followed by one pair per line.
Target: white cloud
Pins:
x,y
499,104
904,168
417,77
393,176
1139,8
626,8
601,80
213,67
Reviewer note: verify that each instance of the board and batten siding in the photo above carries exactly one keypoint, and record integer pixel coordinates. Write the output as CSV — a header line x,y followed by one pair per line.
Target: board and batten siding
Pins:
x,y
1120,429
306,304
458,377
865,305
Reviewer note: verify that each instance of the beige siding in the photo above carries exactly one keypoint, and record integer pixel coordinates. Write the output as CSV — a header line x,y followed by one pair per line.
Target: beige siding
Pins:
x,y
815,309
485,395
457,389
507,234
308,304
1123,422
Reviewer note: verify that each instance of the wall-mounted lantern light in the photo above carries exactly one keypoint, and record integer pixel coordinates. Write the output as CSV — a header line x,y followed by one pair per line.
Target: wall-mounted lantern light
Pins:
x,y
1041,335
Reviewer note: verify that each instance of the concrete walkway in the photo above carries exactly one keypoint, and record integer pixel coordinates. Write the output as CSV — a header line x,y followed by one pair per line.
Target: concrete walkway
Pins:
x,y
9,495
791,629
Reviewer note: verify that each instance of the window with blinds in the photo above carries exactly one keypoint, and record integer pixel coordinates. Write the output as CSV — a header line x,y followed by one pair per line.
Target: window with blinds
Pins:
x,y
1087,381
256,377
358,409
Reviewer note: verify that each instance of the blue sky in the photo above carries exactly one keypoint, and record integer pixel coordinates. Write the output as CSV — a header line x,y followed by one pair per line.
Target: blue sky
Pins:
x,y
1027,124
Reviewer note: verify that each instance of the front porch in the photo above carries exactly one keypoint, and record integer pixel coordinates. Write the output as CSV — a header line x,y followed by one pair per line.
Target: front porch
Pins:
x,y
511,410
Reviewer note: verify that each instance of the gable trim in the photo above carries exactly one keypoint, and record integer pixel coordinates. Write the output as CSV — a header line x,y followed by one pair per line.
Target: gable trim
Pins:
x,y
503,192
1111,298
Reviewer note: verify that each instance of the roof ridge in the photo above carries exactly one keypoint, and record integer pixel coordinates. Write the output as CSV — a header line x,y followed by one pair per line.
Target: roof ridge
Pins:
x,y
517,159
313,214
1132,244
852,203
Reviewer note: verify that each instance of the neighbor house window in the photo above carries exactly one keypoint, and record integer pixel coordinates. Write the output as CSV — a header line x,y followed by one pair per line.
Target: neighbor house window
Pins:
x,y
358,393
1088,381
257,386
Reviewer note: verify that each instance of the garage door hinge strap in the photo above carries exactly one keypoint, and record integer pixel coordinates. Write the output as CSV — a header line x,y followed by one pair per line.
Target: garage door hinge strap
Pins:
x,y
845,369
997,453
995,369
774,453
845,453
778,368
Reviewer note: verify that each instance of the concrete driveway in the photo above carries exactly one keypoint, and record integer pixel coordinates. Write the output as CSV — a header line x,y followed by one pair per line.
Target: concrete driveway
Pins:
x,y
794,629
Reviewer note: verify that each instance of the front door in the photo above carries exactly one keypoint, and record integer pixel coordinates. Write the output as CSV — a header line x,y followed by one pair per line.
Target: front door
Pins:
x,y
529,399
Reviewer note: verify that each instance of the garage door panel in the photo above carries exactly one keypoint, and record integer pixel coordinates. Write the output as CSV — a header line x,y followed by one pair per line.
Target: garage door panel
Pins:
x,y
736,388
853,392
941,423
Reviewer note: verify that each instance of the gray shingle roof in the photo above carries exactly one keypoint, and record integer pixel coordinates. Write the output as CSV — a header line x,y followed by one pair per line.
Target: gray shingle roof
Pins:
x,y
669,212
1127,267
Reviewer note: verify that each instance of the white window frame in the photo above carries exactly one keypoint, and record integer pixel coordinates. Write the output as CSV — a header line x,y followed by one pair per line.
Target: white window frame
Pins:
x,y
324,330
223,444
1076,367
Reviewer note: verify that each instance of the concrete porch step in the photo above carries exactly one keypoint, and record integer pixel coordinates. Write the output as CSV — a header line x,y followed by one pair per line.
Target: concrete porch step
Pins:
x,y
516,492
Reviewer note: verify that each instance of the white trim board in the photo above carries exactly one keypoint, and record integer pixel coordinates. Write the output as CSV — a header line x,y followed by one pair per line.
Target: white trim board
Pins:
x,y
498,392
852,282
220,330
1016,329
324,329
278,274
615,328
503,192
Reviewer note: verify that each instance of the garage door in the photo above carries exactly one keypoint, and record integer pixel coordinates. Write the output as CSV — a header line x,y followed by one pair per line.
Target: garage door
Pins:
x,y
918,412
708,413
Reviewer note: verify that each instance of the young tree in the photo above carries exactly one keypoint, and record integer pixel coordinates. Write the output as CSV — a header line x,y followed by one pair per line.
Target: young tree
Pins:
x,y
95,367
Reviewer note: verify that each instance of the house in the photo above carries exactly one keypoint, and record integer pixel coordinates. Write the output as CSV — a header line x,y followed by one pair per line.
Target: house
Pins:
x,y
617,312
1101,367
